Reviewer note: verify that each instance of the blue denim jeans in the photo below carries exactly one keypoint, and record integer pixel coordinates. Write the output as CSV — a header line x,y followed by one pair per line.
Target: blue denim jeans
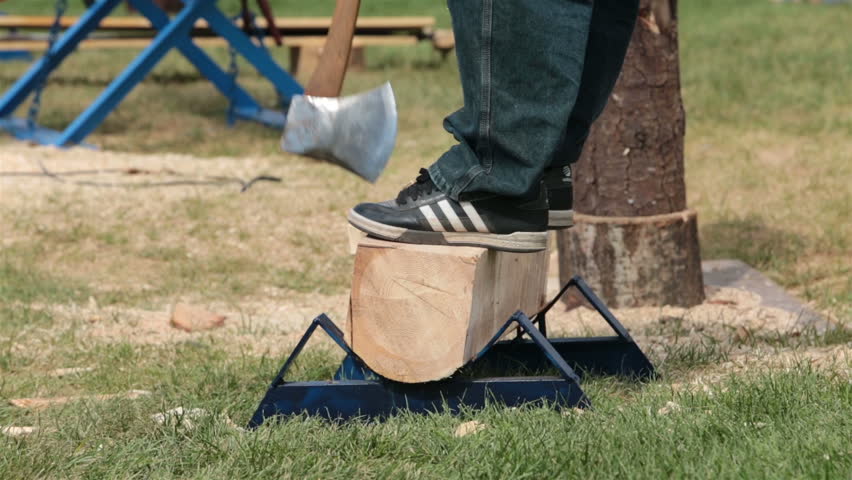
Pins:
x,y
535,74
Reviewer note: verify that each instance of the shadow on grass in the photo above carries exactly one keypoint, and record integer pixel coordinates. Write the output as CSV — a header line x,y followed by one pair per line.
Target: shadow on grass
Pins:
x,y
751,240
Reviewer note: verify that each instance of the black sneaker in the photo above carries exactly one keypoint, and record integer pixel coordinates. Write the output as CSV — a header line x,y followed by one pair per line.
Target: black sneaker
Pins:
x,y
423,214
560,197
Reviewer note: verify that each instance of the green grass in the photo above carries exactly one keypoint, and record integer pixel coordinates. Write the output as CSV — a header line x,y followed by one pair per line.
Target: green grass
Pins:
x,y
791,424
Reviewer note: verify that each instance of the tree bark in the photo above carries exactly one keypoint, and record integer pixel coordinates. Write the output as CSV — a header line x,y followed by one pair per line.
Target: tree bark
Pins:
x,y
631,172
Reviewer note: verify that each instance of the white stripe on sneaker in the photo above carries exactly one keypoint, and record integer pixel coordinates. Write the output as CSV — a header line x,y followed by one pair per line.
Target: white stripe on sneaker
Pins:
x,y
427,212
454,219
474,217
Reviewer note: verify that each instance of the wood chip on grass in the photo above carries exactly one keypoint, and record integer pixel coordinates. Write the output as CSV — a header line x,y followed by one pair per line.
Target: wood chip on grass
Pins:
x,y
469,428
46,402
190,318
17,431
65,372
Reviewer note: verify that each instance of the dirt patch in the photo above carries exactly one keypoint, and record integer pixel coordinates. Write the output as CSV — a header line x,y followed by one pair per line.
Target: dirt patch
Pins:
x,y
255,328
722,313
836,359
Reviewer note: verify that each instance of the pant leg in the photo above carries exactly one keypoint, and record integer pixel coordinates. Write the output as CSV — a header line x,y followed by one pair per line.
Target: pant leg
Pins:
x,y
520,63
609,35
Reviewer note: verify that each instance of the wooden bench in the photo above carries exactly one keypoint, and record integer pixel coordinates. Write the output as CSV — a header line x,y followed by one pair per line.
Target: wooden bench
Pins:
x,y
304,36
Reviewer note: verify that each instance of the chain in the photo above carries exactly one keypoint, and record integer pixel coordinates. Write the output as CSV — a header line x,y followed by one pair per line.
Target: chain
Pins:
x,y
261,40
234,67
55,30
233,74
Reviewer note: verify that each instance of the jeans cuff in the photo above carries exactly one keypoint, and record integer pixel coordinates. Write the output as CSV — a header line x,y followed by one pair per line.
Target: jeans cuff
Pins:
x,y
453,188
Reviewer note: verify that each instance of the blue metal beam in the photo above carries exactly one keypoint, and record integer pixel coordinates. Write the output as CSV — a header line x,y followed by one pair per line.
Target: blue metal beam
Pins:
x,y
173,34
205,65
593,355
25,85
257,56
353,398
134,73
15,55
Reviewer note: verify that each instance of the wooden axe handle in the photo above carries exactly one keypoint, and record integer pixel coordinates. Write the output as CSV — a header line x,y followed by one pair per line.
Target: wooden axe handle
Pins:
x,y
327,79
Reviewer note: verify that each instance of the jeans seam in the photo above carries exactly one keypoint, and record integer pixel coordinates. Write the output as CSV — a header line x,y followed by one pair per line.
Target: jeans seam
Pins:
x,y
484,149
465,180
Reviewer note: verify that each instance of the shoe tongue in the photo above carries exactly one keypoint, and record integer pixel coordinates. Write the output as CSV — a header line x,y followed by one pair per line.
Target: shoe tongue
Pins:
x,y
423,176
422,184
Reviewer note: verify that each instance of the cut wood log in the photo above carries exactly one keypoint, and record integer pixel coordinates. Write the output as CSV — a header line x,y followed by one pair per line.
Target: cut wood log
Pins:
x,y
635,261
419,312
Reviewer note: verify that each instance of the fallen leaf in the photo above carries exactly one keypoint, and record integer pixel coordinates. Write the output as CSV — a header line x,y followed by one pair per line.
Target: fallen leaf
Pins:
x,y
757,425
17,431
180,417
190,318
468,428
670,407
64,372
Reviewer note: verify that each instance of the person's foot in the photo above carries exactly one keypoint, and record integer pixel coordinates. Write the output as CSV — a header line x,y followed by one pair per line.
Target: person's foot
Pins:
x,y
560,197
423,214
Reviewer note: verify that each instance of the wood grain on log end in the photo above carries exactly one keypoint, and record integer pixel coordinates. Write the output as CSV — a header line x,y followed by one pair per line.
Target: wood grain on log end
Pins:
x,y
420,312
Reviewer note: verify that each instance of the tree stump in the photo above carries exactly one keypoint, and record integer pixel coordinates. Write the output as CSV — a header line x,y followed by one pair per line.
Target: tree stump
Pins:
x,y
419,312
630,181
632,261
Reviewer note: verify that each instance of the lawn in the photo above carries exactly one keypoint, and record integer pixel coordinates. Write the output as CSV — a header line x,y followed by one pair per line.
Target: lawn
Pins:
x,y
88,276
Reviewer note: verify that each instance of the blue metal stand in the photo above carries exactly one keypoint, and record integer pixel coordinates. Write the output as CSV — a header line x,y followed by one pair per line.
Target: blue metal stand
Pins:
x,y
358,391
174,33
14,55
616,355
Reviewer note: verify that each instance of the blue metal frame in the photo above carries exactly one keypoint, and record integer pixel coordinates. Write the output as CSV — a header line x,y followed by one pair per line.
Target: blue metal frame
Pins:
x,y
358,391
617,355
174,33
13,55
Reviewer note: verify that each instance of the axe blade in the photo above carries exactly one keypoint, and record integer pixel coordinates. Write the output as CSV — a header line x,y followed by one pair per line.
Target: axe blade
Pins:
x,y
357,132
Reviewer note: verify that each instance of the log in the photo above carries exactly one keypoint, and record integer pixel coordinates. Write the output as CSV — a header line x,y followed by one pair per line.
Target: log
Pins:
x,y
633,168
420,312
635,261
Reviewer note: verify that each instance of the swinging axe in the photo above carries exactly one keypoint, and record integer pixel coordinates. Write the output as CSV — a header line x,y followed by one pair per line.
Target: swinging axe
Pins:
x,y
356,132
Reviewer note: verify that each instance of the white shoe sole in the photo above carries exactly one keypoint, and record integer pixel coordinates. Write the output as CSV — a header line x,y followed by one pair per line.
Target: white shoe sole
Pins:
x,y
559,219
511,242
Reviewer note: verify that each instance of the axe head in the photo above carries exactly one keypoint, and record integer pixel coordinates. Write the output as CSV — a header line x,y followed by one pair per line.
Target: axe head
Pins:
x,y
357,132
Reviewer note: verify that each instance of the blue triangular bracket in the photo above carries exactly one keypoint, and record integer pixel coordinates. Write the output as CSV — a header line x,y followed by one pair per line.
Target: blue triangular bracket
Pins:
x,y
357,391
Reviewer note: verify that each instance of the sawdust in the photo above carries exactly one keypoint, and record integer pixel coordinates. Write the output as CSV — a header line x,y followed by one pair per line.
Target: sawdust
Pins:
x,y
722,313
836,358
120,235
258,328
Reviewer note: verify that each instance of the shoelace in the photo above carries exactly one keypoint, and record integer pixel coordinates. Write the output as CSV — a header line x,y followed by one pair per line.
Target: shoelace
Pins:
x,y
423,185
